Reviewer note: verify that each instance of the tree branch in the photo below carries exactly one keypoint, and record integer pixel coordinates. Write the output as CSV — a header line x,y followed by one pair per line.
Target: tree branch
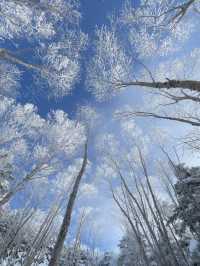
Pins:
x,y
192,85
148,114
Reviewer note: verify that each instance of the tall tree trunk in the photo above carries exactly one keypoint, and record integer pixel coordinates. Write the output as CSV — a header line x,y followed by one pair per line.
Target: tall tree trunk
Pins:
x,y
192,85
67,218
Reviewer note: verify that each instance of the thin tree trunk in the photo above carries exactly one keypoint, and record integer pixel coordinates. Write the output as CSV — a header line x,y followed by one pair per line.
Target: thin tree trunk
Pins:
x,y
143,253
67,218
161,223
144,216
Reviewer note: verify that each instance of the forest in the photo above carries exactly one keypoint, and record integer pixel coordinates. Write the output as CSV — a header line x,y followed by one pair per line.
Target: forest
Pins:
x,y
99,132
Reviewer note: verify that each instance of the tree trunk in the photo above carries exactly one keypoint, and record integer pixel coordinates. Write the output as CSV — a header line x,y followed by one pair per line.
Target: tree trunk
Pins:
x,y
67,218
192,85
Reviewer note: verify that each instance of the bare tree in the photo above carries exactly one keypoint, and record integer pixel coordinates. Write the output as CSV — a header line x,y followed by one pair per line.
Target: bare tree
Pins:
x,y
150,221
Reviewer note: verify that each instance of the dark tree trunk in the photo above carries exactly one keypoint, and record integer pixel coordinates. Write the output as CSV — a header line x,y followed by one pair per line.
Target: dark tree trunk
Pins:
x,y
67,218
192,85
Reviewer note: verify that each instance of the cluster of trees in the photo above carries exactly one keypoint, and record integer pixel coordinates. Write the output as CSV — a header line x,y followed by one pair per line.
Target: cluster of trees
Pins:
x,y
40,157
148,48
44,159
160,231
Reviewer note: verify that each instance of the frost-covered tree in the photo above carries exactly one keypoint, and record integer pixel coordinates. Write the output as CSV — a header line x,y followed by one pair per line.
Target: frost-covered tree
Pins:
x,y
129,251
35,147
147,37
157,241
187,190
53,43
136,51
18,228
83,257
33,151
108,259
6,175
